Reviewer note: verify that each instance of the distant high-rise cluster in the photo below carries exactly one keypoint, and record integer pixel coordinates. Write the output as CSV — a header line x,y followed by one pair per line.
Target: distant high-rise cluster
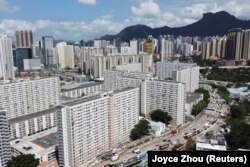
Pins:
x,y
238,44
24,39
44,96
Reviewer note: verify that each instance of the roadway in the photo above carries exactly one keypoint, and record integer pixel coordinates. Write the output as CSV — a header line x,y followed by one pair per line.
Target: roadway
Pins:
x,y
226,67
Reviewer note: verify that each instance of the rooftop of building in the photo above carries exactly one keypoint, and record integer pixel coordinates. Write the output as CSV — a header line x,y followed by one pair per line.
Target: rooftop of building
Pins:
x,y
82,85
217,140
165,81
65,98
238,90
39,144
6,82
32,115
208,146
95,97
81,100
175,62
192,97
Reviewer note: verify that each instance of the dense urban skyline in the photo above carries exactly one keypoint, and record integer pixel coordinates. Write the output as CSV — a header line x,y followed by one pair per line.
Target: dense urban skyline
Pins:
x,y
88,19
72,99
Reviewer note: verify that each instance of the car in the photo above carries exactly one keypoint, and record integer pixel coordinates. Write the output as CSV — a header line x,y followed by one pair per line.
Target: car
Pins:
x,y
125,160
137,151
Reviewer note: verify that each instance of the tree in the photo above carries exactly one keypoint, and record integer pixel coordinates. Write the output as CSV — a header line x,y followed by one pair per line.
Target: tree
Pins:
x,y
248,62
67,68
191,145
183,59
198,59
160,116
23,160
83,94
205,93
198,107
239,134
79,70
203,103
142,115
141,129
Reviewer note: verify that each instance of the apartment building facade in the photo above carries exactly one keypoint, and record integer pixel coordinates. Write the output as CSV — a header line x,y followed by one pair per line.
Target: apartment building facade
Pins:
x,y
91,126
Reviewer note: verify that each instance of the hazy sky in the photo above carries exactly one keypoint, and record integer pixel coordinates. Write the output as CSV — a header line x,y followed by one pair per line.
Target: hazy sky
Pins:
x,y
88,19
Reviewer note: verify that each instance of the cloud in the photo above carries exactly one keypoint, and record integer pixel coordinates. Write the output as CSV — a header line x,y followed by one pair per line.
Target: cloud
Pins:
x,y
7,8
148,12
147,8
87,2
64,29
195,8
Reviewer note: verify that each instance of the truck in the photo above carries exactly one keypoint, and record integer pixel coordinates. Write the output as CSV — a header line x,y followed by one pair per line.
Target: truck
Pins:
x,y
188,136
164,146
142,155
114,158
174,131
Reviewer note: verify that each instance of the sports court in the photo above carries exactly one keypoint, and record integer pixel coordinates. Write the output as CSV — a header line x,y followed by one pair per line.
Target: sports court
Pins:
x,y
47,141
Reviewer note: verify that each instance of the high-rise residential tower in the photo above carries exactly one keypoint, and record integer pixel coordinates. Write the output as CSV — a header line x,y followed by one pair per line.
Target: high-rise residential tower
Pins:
x,y
134,46
5,149
6,58
91,126
47,50
24,38
234,44
65,55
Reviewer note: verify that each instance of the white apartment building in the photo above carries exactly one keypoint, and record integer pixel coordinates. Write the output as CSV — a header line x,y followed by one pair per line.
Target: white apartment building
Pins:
x,y
32,123
65,55
6,58
135,67
83,131
125,50
111,81
124,107
189,76
32,64
91,126
167,50
23,97
165,69
96,63
82,90
5,149
187,49
168,96
134,46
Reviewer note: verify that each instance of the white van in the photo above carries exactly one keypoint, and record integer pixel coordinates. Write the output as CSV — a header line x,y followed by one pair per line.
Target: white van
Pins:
x,y
114,158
